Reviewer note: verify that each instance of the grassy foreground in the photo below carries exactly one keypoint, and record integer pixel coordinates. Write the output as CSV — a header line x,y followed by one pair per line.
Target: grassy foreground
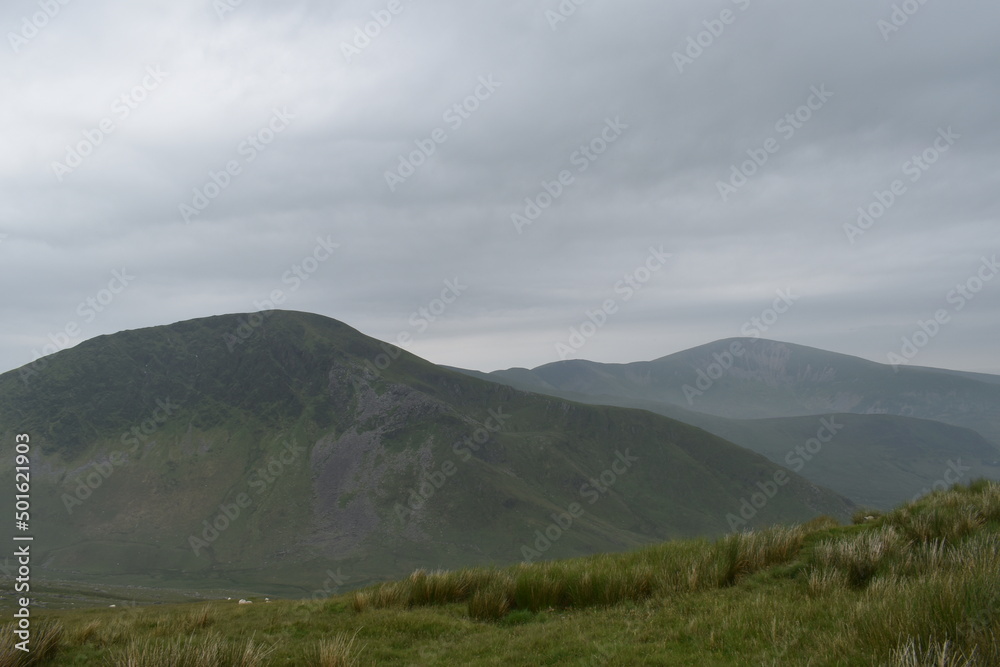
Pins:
x,y
916,586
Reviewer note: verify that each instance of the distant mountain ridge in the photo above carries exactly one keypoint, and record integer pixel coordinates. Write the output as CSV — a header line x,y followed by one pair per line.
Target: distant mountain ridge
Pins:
x,y
772,379
294,446
766,395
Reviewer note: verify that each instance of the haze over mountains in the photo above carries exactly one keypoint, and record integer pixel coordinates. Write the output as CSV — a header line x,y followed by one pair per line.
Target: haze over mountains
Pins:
x,y
273,450
283,450
903,427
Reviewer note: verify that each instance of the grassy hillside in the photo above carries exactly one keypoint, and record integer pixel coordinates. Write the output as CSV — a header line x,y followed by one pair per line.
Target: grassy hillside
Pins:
x,y
875,460
919,585
218,454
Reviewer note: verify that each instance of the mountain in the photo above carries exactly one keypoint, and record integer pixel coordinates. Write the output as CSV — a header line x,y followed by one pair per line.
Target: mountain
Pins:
x,y
904,429
877,461
288,452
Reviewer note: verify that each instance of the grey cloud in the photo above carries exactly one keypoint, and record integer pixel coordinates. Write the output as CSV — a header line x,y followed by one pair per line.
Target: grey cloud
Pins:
x,y
656,185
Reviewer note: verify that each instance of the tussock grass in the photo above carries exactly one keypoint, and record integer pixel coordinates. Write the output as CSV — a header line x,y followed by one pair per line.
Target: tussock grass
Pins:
x,y
341,651
200,619
88,633
751,551
861,556
210,651
595,581
490,604
937,654
392,594
919,585
948,515
46,640
824,581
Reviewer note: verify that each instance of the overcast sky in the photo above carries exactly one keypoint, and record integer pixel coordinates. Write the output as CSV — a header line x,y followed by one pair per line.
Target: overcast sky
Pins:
x,y
185,156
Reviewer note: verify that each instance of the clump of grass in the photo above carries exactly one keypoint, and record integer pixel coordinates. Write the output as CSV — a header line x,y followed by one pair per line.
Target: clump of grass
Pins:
x,y
200,619
341,651
490,604
46,640
860,556
206,651
609,583
541,587
960,608
380,596
703,572
89,632
943,654
446,587
751,551
948,515
825,581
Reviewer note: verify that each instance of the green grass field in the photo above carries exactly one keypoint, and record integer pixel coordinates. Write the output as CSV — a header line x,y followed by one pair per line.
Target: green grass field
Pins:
x,y
919,585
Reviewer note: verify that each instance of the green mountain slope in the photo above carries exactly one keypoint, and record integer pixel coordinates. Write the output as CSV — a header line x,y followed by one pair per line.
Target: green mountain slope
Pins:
x,y
274,453
903,433
877,461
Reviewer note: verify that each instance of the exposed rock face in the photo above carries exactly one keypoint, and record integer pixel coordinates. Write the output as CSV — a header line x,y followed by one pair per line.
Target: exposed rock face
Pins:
x,y
770,364
353,469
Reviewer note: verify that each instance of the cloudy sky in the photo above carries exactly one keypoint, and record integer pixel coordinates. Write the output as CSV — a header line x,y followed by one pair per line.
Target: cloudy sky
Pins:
x,y
671,168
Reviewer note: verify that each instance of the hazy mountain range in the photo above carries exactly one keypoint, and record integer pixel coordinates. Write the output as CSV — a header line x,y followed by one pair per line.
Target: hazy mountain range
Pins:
x,y
274,450
901,429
